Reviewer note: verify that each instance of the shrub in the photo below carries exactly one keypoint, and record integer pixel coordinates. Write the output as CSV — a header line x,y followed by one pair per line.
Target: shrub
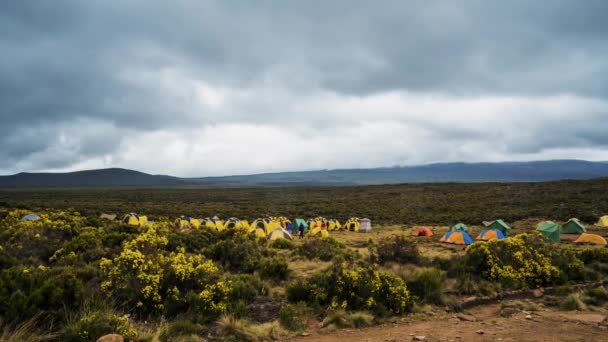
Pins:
x,y
181,328
324,248
590,255
343,319
427,285
598,295
395,249
282,244
92,325
275,268
353,287
151,279
515,262
573,302
238,253
25,292
294,316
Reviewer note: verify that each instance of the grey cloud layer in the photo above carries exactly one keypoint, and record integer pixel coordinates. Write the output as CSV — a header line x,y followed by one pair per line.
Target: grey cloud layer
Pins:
x,y
79,79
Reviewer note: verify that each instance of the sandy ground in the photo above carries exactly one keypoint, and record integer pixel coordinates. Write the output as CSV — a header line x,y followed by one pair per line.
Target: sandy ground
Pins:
x,y
489,325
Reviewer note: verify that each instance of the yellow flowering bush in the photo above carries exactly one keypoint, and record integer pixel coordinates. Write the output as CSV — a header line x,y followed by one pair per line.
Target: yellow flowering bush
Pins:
x,y
519,261
148,276
353,287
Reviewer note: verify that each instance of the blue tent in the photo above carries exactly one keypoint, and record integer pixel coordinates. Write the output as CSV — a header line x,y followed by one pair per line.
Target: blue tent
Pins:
x,y
458,237
491,234
30,217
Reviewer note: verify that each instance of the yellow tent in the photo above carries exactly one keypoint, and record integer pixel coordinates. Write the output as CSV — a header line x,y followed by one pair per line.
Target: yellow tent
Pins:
x,y
279,233
353,224
185,221
591,238
133,219
333,224
261,227
603,222
234,223
317,231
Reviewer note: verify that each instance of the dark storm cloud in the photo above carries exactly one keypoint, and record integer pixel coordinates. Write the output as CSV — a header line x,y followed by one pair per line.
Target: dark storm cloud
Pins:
x,y
135,66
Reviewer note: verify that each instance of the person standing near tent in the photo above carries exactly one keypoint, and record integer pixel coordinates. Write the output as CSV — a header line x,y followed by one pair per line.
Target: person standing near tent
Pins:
x,y
301,229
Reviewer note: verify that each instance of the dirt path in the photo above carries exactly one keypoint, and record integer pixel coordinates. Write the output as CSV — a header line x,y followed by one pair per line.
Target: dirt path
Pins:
x,y
538,326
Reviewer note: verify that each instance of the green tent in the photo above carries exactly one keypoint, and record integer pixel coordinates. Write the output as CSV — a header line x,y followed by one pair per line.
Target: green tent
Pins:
x,y
573,226
550,230
500,225
299,222
460,227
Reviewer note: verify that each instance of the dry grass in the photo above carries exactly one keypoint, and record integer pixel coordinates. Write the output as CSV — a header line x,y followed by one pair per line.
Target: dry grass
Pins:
x,y
25,332
230,328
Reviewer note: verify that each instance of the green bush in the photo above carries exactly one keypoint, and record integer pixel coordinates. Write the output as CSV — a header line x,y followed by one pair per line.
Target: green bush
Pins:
x,y
597,296
594,254
573,302
324,248
180,328
398,249
275,268
238,253
282,244
92,325
294,316
427,285
25,292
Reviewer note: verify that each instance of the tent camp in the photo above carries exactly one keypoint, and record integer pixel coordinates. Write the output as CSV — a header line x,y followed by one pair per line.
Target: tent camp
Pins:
x,y
490,234
550,230
422,231
30,217
460,227
500,225
457,238
603,222
573,226
591,239
279,233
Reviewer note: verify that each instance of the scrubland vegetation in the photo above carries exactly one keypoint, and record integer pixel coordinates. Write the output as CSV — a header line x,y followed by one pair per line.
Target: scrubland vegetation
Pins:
x,y
70,276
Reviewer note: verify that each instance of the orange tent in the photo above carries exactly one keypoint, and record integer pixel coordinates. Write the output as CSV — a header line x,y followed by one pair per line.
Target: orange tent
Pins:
x,y
591,238
422,231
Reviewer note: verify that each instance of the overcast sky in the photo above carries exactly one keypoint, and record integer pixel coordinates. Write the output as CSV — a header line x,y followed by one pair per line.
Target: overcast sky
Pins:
x,y
198,88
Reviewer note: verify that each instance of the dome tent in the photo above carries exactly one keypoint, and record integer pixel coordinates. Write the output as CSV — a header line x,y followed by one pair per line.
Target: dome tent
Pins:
x,y
550,230
297,223
458,237
460,227
490,234
133,219
30,217
603,221
422,231
500,225
591,238
573,226
279,233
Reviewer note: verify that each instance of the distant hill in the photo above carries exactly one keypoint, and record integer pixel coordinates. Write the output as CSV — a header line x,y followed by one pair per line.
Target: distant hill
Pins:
x,y
114,177
432,173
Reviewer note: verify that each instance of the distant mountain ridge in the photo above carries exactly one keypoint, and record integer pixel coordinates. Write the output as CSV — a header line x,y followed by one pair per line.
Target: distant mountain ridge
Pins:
x,y
536,171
